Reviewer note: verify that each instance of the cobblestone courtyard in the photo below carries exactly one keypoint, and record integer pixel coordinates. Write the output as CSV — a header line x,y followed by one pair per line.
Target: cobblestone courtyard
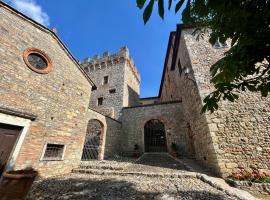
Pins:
x,y
80,187
148,178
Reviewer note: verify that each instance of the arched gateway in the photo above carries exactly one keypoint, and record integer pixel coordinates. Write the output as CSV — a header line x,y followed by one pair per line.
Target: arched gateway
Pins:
x,y
93,140
154,136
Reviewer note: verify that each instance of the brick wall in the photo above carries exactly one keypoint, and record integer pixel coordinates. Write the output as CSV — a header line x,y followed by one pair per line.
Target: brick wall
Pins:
x,y
58,99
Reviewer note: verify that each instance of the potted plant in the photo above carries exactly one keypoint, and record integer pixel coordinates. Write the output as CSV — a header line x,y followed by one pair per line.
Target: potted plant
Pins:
x,y
174,149
16,184
136,152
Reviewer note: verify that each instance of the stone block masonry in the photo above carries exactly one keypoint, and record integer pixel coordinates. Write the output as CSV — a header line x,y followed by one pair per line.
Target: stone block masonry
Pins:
x,y
59,99
111,139
237,135
54,108
170,114
117,80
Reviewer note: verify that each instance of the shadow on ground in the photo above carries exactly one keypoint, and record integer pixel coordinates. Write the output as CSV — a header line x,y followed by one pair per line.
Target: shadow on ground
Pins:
x,y
84,189
160,160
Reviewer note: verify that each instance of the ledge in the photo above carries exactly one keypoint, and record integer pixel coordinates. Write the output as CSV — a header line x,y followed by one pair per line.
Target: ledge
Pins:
x,y
154,104
17,113
146,98
105,115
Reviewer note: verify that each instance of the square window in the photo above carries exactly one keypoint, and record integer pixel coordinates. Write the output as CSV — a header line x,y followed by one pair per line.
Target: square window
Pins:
x,y
100,101
112,91
105,80
54,152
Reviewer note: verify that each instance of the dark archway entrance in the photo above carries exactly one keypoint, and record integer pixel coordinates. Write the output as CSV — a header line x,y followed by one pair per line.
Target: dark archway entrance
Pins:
x,y
154,136
93,140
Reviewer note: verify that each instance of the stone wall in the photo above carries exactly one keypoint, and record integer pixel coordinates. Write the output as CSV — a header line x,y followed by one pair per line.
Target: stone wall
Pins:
x,y
59,99
170,114
237,135
240,131
132,84
149,100
123,77
170,89
111,136
113,67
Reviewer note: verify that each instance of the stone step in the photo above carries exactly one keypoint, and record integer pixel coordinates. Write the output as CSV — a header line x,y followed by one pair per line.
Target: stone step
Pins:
x,y
132,173
102,166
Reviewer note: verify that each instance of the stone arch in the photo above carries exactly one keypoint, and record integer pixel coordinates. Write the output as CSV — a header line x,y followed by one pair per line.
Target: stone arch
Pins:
x,y
93,144
155,136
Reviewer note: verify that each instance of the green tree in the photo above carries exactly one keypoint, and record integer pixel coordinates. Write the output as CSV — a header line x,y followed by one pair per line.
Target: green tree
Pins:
x,y
245,66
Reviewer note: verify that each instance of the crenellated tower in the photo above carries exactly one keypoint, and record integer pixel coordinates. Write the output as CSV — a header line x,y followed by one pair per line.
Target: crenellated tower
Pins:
x,y
117,80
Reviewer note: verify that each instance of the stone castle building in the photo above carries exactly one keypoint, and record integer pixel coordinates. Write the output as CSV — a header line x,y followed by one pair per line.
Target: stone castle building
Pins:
x,y
56,112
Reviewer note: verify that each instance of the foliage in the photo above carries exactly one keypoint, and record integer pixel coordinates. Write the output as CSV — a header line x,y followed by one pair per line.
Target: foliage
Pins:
x,y
254,176
246,23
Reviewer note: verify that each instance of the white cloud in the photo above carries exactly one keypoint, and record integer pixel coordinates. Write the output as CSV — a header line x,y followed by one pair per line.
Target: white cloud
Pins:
x,y
32,10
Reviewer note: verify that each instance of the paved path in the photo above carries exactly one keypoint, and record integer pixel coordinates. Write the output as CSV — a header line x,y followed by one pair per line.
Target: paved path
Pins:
x,y
153,176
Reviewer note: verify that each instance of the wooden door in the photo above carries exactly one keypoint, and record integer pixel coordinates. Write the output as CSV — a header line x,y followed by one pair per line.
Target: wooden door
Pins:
x,y
8,138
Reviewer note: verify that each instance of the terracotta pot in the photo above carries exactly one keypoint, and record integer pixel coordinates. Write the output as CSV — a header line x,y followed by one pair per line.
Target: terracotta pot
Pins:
x,y
136,154
16,184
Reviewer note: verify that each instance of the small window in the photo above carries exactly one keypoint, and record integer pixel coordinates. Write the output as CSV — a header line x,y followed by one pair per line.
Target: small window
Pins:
x,y
100,101
105,80
54,152
112,91
94,88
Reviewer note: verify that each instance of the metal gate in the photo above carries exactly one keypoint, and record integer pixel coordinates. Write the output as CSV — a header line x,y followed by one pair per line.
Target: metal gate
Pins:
x,y
154,136
92,141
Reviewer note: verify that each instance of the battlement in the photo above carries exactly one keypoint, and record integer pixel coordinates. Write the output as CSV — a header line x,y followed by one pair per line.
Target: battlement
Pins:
x,y
90,65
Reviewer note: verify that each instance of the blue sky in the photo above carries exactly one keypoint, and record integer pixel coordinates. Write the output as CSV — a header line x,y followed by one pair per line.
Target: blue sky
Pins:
x,y
95,26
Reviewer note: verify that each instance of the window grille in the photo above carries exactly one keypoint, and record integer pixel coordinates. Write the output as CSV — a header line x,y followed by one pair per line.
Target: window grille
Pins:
x,y
53,152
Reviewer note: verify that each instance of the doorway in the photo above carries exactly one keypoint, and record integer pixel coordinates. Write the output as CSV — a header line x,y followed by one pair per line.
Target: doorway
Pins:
x,y
154,136
8,138
93,140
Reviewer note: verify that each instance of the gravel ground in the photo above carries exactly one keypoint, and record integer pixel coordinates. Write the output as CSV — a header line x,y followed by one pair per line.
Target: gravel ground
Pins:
x,y
84,187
